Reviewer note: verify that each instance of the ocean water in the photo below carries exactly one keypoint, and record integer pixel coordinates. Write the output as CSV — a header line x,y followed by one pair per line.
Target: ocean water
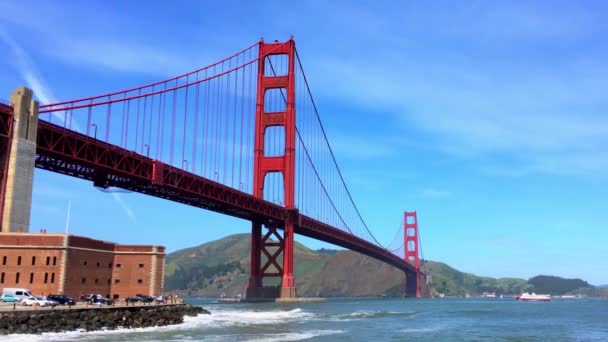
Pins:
x,y
358,319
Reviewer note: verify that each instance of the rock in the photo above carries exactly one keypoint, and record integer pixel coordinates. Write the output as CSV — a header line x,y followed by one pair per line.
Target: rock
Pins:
x,y
109,318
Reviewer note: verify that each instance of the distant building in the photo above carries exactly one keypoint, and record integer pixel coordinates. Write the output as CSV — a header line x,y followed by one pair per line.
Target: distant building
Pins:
x,y
75,265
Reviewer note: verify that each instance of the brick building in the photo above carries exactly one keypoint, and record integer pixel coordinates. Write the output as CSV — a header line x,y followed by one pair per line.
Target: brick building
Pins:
x,y
75,265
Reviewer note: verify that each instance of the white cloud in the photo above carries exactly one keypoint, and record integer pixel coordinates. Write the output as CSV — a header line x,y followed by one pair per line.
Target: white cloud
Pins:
x,y
124,206
121,56
534,114
515,81
433,193
358,148
51,191
27,69
29,73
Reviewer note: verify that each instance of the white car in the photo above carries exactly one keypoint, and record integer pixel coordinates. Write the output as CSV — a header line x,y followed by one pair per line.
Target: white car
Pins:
x,y
41,301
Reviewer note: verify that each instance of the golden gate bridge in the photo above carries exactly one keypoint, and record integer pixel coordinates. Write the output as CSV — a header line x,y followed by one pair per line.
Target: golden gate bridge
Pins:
x,y
241,137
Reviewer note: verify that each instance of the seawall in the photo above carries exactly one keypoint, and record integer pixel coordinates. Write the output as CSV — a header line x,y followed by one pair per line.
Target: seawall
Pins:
x,y
88,319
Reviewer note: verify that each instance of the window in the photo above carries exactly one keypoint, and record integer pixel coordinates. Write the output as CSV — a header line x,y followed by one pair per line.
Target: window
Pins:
x,y
19,260
141,265
2,277
46,277
96,280
116,281
31,277
17,278
119,265
110,265
33,261
116,296
53,278
4,260
54,260
48,260
140,281
98,264
109,281
85,262
83,280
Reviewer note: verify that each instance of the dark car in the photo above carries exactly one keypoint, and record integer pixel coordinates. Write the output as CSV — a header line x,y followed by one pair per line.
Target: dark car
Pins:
x,y
133,299
62,299
100,300
145,298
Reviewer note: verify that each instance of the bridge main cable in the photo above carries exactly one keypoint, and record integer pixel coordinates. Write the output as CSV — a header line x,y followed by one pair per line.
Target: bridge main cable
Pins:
x,y
332,153
44,108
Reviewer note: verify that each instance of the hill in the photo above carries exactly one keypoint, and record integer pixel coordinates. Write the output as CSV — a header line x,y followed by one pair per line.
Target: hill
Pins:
x,y
557,285
222,266
452,282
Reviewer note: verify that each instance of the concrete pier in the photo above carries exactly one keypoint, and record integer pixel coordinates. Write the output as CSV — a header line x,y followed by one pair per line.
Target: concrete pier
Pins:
x,y
20,175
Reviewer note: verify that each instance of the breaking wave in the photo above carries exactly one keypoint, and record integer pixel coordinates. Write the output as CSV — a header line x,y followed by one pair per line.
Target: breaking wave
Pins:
x,y
375,314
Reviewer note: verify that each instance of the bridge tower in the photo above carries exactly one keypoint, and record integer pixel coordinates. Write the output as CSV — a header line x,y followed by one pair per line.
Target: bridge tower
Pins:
x,y
17,156
265,118
412,247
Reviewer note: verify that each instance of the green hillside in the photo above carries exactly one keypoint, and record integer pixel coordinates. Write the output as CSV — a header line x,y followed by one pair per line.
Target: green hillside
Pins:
x,y
557,285
452,282
222,266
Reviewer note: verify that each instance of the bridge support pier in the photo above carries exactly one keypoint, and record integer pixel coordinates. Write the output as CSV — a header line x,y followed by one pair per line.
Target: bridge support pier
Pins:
x,y
254,288
19,180
268,248
412,288
288,286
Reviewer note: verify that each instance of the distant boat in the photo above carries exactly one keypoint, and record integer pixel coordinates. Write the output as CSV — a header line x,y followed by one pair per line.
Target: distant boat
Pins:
x,y
489,295
533,297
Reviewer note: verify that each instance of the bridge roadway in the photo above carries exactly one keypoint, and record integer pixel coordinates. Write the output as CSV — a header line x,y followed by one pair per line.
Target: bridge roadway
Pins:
x,y
71,153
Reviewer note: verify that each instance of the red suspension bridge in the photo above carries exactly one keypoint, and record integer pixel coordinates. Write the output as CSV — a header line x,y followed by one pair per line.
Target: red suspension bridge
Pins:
x,y
225,138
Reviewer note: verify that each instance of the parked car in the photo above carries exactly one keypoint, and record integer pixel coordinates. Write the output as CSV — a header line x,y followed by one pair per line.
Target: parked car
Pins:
x,y
146,298
88,297
133,299
101,300
17,293
38,301
62,299
7,298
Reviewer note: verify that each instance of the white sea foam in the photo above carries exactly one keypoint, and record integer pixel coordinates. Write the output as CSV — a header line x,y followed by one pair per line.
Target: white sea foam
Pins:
x,y
371,314
294,336
218,319
247,317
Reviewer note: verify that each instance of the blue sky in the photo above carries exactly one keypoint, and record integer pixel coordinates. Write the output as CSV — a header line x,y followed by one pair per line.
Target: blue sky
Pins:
x,y
488,118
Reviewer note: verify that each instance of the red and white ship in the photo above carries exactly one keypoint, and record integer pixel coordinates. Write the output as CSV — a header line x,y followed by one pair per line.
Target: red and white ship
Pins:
x,y
533,297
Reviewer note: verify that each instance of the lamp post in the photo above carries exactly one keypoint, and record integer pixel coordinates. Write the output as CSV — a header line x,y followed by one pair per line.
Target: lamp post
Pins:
x,y
147,147
185,161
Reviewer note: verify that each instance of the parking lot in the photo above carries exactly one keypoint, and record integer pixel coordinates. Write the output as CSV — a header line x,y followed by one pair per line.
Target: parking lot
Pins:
x,y
80,305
